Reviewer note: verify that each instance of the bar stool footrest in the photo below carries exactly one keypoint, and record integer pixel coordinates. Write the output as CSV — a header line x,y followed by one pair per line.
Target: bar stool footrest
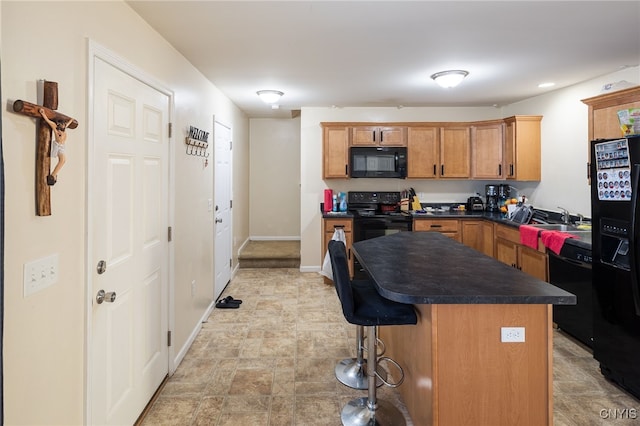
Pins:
x,y
395,363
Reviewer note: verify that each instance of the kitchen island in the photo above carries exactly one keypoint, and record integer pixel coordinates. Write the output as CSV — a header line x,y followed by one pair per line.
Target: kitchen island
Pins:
x,y
458,370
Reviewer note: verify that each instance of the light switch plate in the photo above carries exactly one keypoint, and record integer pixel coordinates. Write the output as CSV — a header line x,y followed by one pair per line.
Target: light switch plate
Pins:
x,y
40,274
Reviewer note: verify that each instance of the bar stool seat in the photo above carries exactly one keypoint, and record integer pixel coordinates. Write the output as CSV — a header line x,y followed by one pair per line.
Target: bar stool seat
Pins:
x,y
363,305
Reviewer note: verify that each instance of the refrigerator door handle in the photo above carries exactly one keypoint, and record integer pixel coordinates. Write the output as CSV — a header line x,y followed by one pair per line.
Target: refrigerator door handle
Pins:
x,y
633,237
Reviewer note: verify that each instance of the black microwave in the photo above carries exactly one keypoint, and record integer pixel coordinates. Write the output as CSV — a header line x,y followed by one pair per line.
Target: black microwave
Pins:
x,y
378,162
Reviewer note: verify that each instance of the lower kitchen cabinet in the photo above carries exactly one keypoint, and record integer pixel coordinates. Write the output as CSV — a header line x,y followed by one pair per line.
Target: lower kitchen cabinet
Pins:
x,y
448,227
478,234
329,226
509,250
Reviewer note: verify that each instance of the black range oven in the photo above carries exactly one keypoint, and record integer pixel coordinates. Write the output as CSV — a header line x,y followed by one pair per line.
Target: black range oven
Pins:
x,y
376,214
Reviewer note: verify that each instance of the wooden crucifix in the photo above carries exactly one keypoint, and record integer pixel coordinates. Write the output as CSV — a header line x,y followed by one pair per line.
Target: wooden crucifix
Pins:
x,y
49,121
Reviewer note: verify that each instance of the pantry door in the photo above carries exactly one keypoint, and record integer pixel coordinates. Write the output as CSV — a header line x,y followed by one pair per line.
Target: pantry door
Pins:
x,y
129,254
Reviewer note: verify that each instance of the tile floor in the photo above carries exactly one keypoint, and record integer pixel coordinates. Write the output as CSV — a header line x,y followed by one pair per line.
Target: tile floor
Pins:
x,y
271,362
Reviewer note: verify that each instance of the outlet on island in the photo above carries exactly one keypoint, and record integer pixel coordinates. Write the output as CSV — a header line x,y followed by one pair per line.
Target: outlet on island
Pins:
x,y
512,334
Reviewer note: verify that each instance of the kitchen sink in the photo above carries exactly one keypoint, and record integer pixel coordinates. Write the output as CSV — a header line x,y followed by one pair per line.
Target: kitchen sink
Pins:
x,y
556,227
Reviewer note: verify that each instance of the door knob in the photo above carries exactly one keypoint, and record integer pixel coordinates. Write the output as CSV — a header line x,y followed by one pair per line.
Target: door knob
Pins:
x,y
219,220
103,296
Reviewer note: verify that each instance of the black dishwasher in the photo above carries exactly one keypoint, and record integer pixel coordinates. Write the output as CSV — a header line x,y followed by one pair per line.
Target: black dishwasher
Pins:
x,y
570,270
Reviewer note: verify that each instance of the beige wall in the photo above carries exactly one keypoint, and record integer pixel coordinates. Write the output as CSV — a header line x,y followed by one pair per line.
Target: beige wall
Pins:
x,y
275,179
44,340
564,155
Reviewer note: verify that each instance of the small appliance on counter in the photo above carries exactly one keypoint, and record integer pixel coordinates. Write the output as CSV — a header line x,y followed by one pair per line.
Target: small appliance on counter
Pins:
x,y
475,204
491,192
504,194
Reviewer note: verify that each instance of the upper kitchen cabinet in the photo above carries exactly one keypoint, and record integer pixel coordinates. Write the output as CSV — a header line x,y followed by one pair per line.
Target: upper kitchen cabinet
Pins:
x,y
487,141
455,144
603,112
422,152
378,136
438,152
522,147
335,152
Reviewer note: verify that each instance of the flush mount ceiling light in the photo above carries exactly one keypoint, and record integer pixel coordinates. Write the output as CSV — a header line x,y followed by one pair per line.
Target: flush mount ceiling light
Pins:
x,y
270,96
449,78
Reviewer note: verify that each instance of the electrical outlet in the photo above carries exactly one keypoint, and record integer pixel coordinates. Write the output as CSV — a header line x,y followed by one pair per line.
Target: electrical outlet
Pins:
x,y
39,274
512,334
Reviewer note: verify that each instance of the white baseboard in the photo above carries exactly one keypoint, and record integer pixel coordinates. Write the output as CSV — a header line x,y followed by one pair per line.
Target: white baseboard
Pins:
x,y
185,348
310,269
263,238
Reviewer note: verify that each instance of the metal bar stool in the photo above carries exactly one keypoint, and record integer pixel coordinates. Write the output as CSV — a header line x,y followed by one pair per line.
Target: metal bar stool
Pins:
x,y
352,372
363,305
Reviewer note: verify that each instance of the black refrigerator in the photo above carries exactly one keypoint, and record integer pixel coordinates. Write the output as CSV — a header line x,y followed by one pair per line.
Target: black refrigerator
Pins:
x,y
615,209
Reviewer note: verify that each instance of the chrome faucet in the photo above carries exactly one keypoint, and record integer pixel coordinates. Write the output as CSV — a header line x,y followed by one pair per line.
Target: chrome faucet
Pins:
x,y
566,217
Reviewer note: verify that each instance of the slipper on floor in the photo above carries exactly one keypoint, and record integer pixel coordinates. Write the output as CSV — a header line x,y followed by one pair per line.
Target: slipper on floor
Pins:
x,y
231,299
225,304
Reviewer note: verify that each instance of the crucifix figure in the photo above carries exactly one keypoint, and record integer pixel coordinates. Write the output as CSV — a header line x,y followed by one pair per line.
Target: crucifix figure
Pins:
x,y
50,121
57,144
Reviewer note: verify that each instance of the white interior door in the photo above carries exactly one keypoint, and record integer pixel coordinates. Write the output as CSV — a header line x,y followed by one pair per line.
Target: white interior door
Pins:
x,y
129,219
222,209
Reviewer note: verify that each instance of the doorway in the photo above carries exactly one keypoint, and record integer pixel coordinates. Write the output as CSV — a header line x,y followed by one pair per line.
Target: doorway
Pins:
x,y
128,249
222,209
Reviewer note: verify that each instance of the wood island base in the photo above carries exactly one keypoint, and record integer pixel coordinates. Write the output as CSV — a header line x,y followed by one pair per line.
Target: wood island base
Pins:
x,y
458,372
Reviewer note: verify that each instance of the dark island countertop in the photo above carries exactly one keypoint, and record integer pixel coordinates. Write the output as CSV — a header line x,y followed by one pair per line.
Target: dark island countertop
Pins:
x,y
430,268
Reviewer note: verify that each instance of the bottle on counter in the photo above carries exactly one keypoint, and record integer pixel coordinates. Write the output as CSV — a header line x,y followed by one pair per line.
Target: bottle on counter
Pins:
x,y
328,200
335,203
343,201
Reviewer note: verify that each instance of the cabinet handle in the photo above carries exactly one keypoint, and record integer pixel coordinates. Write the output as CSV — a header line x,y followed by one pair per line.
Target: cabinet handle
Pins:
x,y
338,226
510,169
434,170
346,170
374,135
381,136
436,226
499,169
349,254
442,170
588,171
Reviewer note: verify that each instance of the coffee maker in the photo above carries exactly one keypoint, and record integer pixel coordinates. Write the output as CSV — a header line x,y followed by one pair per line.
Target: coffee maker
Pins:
x,y
491,192
504,192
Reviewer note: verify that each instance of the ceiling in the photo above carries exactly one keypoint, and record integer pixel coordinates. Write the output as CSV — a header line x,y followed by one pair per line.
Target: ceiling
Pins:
x,y
382,53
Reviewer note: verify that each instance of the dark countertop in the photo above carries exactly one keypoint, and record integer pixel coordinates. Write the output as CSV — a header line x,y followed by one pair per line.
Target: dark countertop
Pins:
x,y
579,241
430,268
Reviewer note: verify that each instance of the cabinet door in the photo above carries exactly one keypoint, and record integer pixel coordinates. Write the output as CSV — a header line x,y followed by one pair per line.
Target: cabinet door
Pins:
x,y
506,252
533,262
454,152
329,226
486,151
422,152
335,152
378,136
393,136
478,234
522,147
364,136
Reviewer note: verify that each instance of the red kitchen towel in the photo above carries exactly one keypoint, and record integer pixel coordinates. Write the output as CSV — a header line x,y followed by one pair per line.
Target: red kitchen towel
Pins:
x,y
529,236
554,240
